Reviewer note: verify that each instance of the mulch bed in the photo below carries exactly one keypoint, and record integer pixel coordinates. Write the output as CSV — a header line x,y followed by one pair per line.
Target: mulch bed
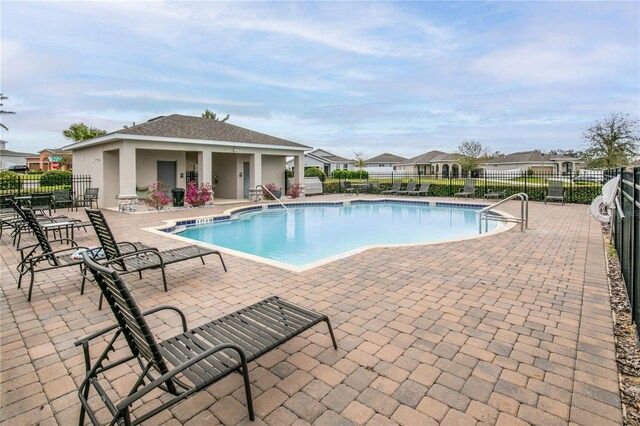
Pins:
x,y
627,349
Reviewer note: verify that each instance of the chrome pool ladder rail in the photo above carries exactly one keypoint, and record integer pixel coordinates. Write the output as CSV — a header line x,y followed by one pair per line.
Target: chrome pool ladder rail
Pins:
x,y
524,212
274,197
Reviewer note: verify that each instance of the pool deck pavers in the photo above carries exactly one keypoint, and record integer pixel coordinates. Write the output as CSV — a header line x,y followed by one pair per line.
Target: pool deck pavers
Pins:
x,y
514,328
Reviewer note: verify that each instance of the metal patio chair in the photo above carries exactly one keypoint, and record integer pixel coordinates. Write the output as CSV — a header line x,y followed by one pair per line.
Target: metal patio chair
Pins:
x,y
469,189
555,192
42,256
41,201
395,187
411,186
87,199
424,189
141,260
62,198
188,362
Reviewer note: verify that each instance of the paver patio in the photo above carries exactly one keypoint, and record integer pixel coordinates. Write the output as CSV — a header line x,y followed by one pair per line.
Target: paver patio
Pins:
x,y
513,328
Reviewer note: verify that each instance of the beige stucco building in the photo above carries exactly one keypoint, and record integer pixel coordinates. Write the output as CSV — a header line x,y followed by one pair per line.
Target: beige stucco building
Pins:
x,y
176,148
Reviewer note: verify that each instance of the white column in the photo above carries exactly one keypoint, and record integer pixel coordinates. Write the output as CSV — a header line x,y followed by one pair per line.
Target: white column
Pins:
x,y
298,172
298,169
127,170
255,165
204,166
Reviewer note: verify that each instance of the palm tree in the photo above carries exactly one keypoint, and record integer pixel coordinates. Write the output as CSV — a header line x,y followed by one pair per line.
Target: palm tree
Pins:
x,y
3,112
81,132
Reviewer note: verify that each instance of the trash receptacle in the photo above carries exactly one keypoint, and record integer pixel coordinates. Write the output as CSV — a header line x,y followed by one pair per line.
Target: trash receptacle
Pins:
x,y
177,196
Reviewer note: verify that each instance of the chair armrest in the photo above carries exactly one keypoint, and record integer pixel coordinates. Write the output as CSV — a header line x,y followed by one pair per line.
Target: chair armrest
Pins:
x,y
167,376
68,240
105,330
136,253
49,253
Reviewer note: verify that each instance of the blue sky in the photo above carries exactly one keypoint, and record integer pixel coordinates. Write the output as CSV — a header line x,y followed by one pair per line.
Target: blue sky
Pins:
x,y
401,77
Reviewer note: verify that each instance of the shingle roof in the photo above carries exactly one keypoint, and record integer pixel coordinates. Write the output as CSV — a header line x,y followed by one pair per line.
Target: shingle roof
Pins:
x,y
200,128
430,157
386,158
16,153
337,159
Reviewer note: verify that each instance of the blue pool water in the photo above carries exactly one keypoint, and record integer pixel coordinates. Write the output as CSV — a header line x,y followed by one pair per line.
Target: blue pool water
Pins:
x,y
303,235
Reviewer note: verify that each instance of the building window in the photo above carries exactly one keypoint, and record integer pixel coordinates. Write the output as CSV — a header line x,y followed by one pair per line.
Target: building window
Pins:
x,y
345,167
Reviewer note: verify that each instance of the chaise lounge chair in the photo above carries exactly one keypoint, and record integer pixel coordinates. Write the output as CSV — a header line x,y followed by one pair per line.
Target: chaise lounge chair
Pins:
x,y
424,189
395,187
42,257
411,186
141,260
469,189
555,191
186,363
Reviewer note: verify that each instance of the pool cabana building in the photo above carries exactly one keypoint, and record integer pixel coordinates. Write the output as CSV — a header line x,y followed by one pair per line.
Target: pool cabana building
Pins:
x,y
176,148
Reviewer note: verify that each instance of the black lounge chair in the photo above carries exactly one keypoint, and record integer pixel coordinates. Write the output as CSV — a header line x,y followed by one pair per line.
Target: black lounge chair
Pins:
x,y
424,189
395,187
469,189
141,260
41,256
186,363
62,198
411,186
49,223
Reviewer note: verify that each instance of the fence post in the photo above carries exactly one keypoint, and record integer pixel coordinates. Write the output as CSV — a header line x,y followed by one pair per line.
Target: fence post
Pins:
x,y
570,189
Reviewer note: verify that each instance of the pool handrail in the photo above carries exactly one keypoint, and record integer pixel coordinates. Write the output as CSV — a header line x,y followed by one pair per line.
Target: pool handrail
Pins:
x,y
524,211
274,197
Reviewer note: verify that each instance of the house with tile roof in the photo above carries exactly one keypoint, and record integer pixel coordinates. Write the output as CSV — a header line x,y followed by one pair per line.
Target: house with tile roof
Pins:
x,y
325,161
175,149
535,160
432,163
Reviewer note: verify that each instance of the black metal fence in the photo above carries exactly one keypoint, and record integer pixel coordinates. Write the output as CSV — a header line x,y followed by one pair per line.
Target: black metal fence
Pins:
x,y
578,188
626,234
27,184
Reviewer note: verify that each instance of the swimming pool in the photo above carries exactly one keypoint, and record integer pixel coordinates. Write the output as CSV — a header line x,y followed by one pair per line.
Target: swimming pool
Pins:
x,y
306,235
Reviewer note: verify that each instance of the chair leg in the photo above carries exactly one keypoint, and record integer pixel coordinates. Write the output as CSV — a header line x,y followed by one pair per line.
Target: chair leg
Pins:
x,y
247,387
333,338
164,280
221,260
31,284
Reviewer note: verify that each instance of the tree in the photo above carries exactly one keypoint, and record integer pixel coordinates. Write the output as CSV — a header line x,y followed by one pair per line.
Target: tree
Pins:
x,y
359,157
3,112
612,141
472,153
81,132
212,115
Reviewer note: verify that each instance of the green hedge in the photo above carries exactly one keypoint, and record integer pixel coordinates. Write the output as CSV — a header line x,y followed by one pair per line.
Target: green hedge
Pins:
x,y
350,174
9,180
56,177
580,194
315,172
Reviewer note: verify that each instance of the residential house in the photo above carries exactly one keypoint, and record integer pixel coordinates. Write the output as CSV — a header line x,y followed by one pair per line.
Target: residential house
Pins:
x,y
325,161
42,161
432,163
382,163
10,158
178,148
536,160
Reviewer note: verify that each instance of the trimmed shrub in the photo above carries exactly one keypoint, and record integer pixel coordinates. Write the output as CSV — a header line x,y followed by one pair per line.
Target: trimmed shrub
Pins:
x,y
315,172
56,178
10,180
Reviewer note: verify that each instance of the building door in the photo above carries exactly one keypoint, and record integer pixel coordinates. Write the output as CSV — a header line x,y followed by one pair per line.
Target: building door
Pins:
x,y
246,175
167,173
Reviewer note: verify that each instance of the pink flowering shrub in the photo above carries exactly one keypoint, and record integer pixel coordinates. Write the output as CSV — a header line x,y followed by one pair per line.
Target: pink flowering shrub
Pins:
x,y
197,197
271,187
295,190
158,196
